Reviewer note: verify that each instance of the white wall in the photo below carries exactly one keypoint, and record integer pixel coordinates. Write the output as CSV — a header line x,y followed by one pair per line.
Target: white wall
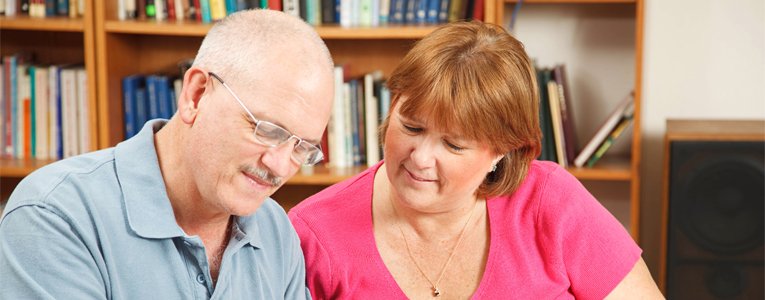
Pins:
x,y
702,59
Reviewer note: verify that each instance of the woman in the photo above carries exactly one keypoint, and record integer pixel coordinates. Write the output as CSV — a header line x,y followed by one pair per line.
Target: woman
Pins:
x,y
459,208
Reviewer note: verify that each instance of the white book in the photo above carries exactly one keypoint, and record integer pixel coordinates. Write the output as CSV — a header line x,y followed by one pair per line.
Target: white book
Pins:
x,y
10,8
130,9
371,118
41,113
121,10
557,123
53,112
2,6
336,128
83,111
604,130
345,13
384,12
291,7
161,11
180,12
348,130
69,111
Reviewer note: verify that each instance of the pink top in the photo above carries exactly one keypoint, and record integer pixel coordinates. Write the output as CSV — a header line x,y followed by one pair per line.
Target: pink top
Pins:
x,y
549,240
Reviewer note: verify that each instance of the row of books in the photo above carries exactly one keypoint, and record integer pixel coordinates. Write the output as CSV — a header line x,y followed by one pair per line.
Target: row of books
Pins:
x,y
146,97
42,8
359,107
348,13
559,138
44,110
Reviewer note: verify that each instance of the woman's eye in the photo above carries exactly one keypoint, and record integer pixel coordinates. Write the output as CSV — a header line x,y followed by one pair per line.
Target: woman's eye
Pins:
x,y
412,129
454,147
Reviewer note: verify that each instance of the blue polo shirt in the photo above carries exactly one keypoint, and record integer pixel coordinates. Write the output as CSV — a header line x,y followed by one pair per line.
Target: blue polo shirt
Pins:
x,y
100,226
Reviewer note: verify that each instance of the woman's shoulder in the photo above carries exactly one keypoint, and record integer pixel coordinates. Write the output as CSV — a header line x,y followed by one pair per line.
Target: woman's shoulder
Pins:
x,y
347,196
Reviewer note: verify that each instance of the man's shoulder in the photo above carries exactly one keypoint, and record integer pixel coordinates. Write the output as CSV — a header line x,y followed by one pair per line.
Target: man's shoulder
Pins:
x,y
65,180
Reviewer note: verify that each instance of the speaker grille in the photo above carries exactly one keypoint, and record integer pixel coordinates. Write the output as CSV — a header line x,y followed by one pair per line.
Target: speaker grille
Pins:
x,y
716,220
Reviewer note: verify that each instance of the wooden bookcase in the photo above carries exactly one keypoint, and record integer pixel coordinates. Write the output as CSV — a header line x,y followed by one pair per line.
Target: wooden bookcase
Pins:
x,y
129,47
601,43
113,49
52,40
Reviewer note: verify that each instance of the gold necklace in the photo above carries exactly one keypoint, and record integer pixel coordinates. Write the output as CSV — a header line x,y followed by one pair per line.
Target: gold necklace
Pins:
x,y
434,286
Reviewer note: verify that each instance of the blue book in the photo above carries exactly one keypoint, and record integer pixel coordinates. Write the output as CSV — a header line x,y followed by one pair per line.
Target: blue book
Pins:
x,y
443,11
63,8
152,95
411,11
231,6
50,8
141,110
356,159
163,96
421,12
59,117
433,9
397,11
129,89
204,6
33,110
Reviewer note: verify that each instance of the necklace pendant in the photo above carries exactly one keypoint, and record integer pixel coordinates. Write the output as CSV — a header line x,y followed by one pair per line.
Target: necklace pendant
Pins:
x,y
436,292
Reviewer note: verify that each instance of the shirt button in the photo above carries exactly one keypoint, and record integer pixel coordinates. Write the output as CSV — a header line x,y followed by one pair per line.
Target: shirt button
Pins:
x,y
201,278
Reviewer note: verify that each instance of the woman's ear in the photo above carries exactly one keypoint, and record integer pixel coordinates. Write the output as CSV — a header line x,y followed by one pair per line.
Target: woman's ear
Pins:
x,y
194,85
495,162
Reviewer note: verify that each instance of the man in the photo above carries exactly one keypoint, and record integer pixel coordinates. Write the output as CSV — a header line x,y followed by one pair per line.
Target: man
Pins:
x,y
181,210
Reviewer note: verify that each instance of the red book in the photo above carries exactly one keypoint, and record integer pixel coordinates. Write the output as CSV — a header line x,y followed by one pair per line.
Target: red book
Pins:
x,y
275,4
8,134
197,11
478,10
171,10
27,102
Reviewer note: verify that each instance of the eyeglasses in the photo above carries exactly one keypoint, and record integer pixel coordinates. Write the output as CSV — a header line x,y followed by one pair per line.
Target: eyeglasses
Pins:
x,y
272,135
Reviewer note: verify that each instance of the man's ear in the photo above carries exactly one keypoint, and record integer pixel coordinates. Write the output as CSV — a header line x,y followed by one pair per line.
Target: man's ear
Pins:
x,y
194,85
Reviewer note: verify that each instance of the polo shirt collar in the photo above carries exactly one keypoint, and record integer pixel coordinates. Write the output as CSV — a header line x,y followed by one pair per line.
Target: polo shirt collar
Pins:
x,y
144,195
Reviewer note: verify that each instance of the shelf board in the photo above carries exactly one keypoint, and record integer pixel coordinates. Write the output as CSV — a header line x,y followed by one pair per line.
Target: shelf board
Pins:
x,y
323,175
190,28
42,24
175,28
613,168
572,1
382,32
10,167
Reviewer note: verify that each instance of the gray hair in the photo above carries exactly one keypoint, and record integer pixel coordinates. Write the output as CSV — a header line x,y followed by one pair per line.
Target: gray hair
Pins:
x,y
243,41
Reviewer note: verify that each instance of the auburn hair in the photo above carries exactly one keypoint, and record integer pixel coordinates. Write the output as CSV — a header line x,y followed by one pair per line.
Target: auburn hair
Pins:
x,y
474,79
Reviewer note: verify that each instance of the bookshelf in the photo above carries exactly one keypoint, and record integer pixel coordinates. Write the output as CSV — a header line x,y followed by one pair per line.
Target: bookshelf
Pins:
x,y
129,47
113,49
52,40
601,42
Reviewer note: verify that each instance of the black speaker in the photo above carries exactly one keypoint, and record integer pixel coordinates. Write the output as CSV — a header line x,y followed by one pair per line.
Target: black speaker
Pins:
x,y
714,208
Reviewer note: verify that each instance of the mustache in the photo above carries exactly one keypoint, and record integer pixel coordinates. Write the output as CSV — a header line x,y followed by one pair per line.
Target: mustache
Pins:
x,y
262,174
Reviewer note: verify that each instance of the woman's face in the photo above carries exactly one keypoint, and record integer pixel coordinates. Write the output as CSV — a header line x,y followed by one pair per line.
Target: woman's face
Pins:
x,y
431,170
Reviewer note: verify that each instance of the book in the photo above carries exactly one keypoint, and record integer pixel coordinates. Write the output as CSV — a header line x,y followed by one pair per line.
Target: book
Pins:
x,y
624,123
372,118
545,121
608,125
566,112
557,124
83,111
41,111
